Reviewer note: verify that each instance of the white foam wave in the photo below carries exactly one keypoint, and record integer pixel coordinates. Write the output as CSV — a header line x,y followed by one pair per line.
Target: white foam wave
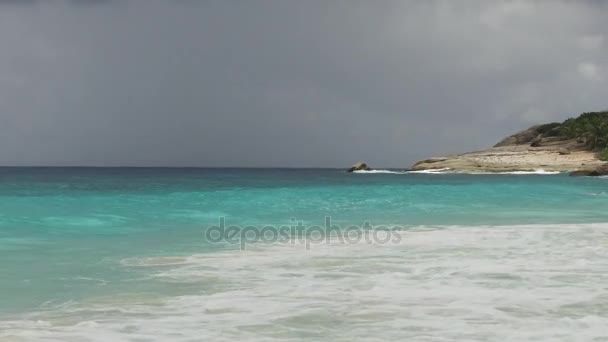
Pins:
x,y
379,171
435,283
155,261
432,171
535,172
450,171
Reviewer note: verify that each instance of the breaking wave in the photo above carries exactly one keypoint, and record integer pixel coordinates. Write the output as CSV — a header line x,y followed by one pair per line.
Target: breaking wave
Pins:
x,y
380,171
450,171
438,283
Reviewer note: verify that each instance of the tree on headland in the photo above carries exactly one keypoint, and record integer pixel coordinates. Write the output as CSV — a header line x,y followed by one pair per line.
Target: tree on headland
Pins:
x,y
588,128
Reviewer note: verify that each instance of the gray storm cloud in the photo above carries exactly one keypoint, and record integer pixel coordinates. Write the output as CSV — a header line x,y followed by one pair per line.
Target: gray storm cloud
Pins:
x,y
288,83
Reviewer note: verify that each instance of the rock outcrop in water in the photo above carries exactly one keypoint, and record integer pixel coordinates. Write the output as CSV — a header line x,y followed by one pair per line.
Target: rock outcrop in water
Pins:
x,y
550,147
601,170
359,167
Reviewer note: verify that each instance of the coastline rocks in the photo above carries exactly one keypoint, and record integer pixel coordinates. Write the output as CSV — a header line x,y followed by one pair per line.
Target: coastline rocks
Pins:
x,y
359,167
536,142
538,148
535,136
524,137
562,156
432,160
601,170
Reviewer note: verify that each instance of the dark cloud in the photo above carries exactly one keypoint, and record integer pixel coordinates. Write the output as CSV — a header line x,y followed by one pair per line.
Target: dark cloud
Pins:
x,y
57,2
91,2
18,2
290,83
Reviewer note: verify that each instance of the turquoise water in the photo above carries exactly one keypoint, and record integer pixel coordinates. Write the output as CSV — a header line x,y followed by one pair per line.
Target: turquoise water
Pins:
x,y
83,249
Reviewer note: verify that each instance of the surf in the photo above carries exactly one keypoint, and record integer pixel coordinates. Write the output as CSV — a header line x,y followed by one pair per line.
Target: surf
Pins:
x,y
453,281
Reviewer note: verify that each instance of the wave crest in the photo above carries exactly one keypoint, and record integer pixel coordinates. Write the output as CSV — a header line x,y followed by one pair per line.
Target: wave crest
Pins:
x,y
380,171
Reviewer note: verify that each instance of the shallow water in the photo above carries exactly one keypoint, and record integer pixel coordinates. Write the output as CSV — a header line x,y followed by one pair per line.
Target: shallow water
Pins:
x,y
122,254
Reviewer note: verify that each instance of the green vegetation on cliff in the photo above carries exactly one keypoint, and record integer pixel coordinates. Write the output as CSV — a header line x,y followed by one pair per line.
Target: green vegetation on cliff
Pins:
x,y
589,129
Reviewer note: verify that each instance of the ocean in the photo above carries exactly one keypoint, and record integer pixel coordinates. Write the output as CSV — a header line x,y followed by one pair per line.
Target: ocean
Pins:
x,y
216,254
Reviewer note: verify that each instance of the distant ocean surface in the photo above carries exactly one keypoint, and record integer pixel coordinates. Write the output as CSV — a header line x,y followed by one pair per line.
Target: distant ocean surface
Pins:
x,y
125,254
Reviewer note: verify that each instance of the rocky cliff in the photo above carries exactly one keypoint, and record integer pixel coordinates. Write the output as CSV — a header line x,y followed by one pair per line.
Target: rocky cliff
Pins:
x,y
540,147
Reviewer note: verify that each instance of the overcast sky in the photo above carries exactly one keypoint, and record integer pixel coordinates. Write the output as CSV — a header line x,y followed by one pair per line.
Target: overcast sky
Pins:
x,y
288,83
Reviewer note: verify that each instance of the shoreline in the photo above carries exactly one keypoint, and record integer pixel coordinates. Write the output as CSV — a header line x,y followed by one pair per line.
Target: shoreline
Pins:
x,y
560,156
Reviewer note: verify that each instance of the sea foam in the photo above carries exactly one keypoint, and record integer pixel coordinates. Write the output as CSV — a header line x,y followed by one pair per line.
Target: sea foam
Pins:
x,y
435,283
451,171
379,171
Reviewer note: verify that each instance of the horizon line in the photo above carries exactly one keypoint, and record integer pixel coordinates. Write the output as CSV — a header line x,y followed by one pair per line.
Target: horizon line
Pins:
x,y
184,167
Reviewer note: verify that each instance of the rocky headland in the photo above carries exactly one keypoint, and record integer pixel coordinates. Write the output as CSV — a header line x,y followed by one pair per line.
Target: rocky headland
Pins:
x,y
575,145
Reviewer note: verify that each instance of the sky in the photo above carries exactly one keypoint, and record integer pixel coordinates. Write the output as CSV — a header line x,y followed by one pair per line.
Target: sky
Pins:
x,y
288,83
